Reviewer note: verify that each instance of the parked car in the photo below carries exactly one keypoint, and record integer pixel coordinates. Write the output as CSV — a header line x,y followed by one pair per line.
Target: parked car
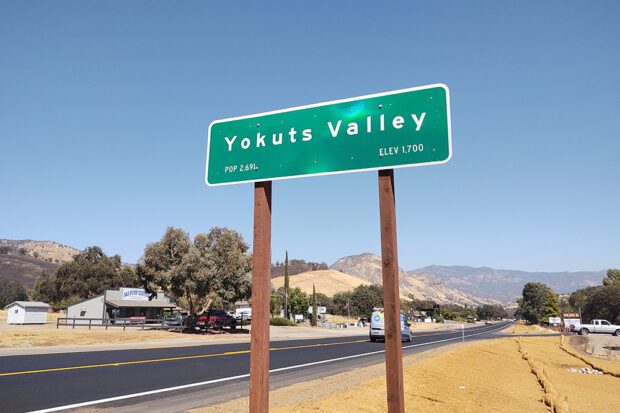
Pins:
x,y
597,326
245,312
216,320
377,328
173,320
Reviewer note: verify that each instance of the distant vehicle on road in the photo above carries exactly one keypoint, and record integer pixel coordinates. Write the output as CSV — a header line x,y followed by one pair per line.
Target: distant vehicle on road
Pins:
x,y
597,326
377,328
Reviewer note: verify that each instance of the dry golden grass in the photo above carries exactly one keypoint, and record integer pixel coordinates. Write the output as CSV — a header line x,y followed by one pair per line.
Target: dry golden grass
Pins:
x,y
521,328
328,282
584,392
44,335
340,319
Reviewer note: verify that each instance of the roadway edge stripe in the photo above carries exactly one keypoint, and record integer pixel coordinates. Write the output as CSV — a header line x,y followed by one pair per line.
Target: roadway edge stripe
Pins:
x,y
241,376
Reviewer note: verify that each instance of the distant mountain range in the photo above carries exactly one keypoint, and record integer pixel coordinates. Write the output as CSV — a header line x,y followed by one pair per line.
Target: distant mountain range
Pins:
x,y
368,267
25,260
507,285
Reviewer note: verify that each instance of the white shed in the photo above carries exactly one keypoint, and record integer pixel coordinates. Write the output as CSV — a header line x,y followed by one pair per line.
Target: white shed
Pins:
x,y
27,312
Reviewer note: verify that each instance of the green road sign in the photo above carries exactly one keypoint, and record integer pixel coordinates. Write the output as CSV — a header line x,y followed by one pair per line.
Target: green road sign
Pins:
x,y
402,128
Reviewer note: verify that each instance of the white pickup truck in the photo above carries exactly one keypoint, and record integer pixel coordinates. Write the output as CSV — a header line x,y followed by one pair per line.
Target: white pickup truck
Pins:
x,y
597,326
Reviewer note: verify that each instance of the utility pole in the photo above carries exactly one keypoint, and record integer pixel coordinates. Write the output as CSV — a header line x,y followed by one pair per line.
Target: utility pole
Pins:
x,y
286,285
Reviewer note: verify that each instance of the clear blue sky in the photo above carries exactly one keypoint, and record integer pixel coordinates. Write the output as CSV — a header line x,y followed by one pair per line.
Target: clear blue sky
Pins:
x,y
104,110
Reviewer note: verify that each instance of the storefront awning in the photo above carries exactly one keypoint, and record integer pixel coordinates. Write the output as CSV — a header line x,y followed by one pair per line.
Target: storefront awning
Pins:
x,y
139,304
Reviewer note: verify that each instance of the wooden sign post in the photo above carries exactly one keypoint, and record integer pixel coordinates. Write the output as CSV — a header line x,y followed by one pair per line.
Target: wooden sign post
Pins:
x,y
391,295
261,270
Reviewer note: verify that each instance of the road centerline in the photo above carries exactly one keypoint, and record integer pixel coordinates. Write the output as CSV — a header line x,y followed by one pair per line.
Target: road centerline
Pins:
x,y
245,376
167,359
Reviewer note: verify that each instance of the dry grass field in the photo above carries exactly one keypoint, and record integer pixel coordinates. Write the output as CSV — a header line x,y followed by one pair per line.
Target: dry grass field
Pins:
x,y
23,336
485,376
521,328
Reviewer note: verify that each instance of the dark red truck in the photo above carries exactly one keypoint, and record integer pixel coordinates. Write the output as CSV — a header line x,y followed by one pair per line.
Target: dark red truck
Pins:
x,y
216,320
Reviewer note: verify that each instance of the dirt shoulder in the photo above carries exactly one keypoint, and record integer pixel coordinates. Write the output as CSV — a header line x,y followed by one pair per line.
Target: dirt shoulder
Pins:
x,y
485,376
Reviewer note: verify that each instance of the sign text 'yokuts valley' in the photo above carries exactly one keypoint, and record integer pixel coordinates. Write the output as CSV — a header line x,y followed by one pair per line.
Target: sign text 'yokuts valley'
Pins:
x,y
408,127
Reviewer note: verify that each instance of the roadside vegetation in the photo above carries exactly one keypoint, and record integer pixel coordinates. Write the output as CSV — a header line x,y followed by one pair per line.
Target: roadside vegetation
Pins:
x,y
11,291
281,321
539,302
211,269
601,301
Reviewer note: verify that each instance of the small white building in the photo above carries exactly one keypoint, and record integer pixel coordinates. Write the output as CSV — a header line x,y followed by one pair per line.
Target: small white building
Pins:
x,y
27,312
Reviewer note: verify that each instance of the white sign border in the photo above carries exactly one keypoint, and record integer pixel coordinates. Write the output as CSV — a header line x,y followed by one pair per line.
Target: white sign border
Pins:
x,y
314,105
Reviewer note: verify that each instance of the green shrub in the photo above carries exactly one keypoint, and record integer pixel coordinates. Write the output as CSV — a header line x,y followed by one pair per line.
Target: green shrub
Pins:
x,y
281,321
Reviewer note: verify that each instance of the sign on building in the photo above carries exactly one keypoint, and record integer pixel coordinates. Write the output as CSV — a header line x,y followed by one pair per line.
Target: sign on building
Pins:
x,y
555,320
408,127
134,294
570,315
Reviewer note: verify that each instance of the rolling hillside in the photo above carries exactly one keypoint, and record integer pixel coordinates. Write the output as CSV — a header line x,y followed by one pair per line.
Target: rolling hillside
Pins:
x,y
25,260
328,282
367,267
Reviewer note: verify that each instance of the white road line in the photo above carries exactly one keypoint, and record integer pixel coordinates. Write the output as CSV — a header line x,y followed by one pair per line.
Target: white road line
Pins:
x,y
243,376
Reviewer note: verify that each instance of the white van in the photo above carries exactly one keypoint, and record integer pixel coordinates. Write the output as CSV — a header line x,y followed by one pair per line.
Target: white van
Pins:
x,y
377,328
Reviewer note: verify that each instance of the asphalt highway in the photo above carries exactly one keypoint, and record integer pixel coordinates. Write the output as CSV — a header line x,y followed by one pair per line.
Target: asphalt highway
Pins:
x,y
117,378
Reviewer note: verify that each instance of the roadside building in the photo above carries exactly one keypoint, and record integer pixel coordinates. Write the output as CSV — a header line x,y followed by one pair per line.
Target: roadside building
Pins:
x,y
27,312
417,316
132,303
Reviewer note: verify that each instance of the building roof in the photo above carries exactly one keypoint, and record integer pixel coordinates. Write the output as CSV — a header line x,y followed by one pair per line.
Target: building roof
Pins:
x,y
140,303
31,304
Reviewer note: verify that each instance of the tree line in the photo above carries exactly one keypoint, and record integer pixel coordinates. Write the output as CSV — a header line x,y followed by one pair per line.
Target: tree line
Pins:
x,y
11,291
210,269
359,303
539,301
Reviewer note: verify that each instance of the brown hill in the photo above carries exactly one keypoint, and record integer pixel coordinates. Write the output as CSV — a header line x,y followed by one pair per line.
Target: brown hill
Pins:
x,y
328,282
25,260
296,266
424,287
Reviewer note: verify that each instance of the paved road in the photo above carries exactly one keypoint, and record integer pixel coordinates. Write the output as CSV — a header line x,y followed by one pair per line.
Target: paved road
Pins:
x,y
36,382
